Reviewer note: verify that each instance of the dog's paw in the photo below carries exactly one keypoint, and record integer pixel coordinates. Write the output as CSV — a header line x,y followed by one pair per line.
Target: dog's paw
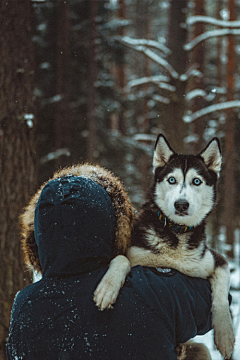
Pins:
x,y
224,337
108,289
107,292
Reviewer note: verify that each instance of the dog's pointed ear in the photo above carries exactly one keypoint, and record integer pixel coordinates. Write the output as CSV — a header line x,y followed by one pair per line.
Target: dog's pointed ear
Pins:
x,y
162,152
212,155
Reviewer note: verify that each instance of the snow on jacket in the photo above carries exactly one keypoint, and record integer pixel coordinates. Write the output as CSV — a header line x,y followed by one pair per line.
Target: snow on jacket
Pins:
x,y
56,318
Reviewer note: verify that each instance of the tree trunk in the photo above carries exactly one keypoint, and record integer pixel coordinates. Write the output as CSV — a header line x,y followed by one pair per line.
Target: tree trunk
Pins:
x,y
142,32
145,110
198,56
229,184
121,73
92,124
62,123
220,65
17,164
177,37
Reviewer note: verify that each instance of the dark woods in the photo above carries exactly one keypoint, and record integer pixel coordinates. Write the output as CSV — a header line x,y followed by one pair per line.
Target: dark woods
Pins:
x,y
97,81
113,74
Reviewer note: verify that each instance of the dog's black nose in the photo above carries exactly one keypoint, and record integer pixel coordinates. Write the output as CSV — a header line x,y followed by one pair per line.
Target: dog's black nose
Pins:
x,y
181,205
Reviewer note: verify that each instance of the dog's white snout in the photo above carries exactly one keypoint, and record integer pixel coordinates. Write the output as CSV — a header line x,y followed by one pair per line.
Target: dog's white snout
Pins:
x,y
181,205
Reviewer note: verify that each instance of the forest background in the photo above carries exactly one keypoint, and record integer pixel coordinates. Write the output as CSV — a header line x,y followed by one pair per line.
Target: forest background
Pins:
x,y
96,81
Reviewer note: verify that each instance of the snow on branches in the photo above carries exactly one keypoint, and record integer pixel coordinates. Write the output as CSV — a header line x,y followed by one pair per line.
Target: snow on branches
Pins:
x,y
231,28
144,45
191,20
157,52
210,109
209,34
160,80
145,42
148,80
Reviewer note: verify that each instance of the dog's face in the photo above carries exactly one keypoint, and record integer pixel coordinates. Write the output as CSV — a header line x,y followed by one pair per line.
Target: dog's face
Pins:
x,y
185,185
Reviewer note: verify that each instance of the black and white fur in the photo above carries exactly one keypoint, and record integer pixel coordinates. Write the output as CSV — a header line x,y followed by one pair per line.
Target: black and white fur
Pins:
x,y
184,193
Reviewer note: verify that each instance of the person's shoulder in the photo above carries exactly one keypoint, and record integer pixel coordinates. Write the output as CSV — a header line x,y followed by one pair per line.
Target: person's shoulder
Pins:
x,y
22,297
154,275
167,275
170,282
152,284
27,291
174,295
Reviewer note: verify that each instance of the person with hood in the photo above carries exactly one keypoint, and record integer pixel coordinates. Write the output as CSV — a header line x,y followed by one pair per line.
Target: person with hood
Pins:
x,y
72,228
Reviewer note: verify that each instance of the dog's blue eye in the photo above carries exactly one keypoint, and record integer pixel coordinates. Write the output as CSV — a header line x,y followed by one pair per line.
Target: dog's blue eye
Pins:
x,y
172,180
196,182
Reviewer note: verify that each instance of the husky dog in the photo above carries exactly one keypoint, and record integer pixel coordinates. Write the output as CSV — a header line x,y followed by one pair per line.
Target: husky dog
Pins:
x,y
169,231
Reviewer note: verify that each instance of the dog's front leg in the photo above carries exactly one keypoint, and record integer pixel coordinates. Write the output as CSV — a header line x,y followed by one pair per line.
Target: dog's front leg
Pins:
x,y
221,319
108,289
190,266
219,278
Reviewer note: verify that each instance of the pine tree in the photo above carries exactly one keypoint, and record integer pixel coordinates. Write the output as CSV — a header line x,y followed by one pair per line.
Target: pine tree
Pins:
x,y
16,147
229,184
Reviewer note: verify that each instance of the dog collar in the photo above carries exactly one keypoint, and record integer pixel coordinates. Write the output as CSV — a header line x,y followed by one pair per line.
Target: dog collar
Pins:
x,y
180,229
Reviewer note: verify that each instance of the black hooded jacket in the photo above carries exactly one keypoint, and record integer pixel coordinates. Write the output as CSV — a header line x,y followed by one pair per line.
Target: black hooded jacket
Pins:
x,y
56,318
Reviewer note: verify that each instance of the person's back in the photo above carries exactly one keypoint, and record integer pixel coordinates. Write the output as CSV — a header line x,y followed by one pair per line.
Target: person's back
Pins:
x,y
56,318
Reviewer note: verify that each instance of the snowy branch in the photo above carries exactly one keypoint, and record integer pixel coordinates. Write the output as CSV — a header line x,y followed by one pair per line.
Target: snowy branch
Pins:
x,y
147,80
161,99
115,23
192,72
209,20
202,93
210,109
219,90
144,137
208,35
165,86
130,143
134,44
145,42
55,155
29,118
159,80
159,60
196,93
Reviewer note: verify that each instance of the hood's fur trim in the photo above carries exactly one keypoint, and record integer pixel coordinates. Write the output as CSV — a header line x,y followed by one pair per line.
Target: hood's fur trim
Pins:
x,y
118,195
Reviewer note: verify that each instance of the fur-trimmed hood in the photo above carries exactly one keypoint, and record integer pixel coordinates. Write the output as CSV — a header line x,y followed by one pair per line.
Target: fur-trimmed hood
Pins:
x,y
72,189
74,226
